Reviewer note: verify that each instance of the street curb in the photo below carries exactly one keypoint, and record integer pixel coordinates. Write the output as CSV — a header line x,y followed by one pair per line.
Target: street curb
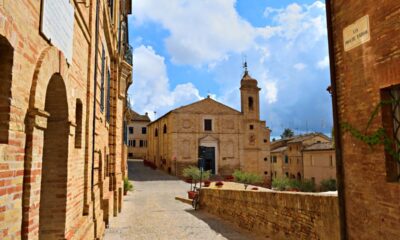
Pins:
x,y
184,200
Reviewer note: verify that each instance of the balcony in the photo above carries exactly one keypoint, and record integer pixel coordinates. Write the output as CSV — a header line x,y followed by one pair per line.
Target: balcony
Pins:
x,y
128,54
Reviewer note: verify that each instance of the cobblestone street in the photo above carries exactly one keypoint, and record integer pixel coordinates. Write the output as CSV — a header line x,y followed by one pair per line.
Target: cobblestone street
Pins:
x,y
151,212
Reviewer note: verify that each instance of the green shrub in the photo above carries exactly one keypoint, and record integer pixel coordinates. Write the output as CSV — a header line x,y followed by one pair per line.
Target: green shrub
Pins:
x,y
281,183
246,178
127,185
307,186
328,185
285,183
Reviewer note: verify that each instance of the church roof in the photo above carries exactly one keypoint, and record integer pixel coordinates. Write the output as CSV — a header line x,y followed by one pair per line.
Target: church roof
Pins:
x,y
201,105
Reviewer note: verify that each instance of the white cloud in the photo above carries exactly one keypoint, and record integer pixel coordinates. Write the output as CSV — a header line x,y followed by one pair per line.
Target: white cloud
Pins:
x,y
151,87
201,32
324,63
299,66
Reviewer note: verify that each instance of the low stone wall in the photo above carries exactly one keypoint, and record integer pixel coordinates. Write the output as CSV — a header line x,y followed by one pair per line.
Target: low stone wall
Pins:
x,y
277,215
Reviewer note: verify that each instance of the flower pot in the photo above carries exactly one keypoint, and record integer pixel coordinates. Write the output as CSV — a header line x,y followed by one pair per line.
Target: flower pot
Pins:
x,y
219,184
254,188
207,183
191,194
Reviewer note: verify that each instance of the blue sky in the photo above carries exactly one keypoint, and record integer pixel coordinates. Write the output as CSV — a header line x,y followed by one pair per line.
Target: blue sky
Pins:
x,y
187,49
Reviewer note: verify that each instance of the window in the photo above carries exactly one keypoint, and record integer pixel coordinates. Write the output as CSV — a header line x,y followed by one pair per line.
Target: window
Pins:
x,y
111,6
125,132
286,159
78,122
130,130
144,130
251,126
251,103
108,107
134,143
141,143
207,125
165,128
287,174
265,140
265,173
130,155
103,60
265,159
6,65
156,133
106,166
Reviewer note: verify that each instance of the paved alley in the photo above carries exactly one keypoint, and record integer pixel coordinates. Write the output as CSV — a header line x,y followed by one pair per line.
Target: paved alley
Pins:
x,y
151,212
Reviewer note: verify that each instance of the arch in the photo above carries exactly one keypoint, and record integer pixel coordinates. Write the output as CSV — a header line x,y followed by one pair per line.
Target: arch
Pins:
x,y
53,187
51,61
6,65
298,176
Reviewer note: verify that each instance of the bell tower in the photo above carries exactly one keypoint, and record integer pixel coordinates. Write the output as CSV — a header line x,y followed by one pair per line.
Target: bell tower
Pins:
x,y
249,95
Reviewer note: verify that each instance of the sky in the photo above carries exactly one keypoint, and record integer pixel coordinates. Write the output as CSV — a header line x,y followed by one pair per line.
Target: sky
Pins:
x,y
185,50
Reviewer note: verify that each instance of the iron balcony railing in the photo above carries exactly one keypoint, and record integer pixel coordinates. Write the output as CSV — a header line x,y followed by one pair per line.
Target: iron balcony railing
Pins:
x,y
128,54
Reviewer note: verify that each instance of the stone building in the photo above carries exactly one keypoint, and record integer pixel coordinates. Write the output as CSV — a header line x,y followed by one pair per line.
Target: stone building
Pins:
x,y
226,138
65,69
364,39
137,134
319,162
287,158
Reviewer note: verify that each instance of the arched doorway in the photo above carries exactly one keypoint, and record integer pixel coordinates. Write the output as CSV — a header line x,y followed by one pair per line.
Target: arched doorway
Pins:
x,y
53,189
6,64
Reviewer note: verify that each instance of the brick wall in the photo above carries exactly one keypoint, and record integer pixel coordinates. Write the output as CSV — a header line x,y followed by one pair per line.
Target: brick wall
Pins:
x,y
276,215
371,201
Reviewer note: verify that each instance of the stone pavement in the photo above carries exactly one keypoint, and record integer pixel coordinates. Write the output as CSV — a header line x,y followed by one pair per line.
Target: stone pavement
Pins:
x,y
151,212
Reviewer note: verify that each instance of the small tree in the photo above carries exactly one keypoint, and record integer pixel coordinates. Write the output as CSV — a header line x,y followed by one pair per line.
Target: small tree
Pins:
x,y
195,174
287,133
246,178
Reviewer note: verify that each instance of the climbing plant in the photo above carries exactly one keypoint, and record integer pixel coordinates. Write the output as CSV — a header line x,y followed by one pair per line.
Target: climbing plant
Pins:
x,y
379,136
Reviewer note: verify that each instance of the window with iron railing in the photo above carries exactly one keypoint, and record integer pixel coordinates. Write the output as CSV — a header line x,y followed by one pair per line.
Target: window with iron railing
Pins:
x,y
390,110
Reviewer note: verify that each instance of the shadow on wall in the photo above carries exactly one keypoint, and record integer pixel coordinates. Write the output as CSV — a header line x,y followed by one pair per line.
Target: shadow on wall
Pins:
x,y
138,172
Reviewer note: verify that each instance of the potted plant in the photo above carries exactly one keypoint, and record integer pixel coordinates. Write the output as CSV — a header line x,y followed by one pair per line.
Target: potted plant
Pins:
x,y
254,188
219,184
207,183
246,178
127,186
229,178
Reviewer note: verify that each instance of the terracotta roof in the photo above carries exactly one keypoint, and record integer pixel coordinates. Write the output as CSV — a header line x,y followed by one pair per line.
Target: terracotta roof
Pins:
x,y
280,149
320,146
304,137
134,116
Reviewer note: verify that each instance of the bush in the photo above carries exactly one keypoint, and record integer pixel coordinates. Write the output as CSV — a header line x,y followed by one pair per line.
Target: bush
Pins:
x,y
328,185
127,185
285,183
281,184
246,178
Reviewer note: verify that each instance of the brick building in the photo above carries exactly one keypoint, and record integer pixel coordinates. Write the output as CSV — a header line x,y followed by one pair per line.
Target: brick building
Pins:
x,y
65,69
226,138
137,134
287,155
319,162
364,39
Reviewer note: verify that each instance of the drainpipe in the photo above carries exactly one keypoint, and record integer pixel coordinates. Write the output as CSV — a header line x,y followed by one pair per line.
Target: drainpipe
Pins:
x,y
94,96
338,144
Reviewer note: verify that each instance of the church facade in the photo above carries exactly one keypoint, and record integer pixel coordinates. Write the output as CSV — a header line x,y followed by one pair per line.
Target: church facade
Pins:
x,y
226,139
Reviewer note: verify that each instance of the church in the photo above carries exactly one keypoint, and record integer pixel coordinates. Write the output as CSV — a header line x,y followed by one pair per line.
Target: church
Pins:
x,y
225,138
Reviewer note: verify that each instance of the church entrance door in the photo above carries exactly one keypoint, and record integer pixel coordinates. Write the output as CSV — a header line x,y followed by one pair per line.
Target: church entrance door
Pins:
x,y
208,156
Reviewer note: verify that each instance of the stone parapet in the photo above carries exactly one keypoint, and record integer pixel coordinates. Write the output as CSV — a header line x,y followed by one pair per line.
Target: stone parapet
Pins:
x,y
277,215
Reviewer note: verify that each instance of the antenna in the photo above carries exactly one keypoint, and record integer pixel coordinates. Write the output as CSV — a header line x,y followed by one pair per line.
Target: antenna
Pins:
x,y
245,64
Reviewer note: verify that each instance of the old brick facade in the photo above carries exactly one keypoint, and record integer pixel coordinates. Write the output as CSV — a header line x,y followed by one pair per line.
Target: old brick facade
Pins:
x,y
237,139
61,169
366,73
137,134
